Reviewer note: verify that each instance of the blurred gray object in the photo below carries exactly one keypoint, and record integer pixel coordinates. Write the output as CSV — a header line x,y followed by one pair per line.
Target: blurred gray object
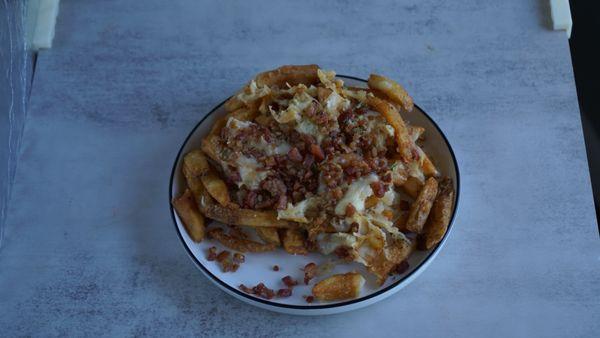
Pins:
x,y
16,68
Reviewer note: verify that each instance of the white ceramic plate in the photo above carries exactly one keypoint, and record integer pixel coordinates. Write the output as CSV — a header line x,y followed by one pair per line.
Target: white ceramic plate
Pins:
x,y
259,267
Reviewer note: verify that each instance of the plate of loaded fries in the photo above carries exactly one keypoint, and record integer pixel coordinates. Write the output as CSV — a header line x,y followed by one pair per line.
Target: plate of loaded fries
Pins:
x,y
311,193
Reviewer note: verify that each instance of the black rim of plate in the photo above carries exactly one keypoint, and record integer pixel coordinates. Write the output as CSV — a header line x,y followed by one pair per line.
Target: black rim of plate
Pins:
x,y
324,306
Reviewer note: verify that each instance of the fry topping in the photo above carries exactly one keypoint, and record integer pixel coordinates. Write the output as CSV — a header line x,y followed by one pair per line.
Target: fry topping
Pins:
x,y
313,165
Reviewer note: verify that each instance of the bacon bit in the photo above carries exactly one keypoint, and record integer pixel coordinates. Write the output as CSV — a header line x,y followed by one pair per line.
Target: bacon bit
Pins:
x,y
317,152
270,161
245,288
239,258
378,188
262,291
402,267
344,253
212,253
250,200
310,271
387,178
289,281
229,266
294,155
221,257
275,267
404,205
350,210
353,227
284,293
281,202
337,193
309,299
259,290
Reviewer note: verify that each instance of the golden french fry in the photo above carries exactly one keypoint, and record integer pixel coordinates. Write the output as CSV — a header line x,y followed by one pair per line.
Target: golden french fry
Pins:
x,y
428,167
397,251
193,221
268,235
292,75
419,210
393,117
393,90
196,164
293,242
239,244
339,287
439,217
247,217
412,186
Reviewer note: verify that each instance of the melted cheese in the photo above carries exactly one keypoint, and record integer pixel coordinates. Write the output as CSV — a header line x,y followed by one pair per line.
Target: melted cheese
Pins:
x,y
414,170
334,103
235,124
295,107
329,242
356,194
253,92
250,176
359,95
307,127
296,212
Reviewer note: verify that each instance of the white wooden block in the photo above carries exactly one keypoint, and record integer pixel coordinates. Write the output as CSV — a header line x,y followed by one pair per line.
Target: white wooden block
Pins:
x,y
561,15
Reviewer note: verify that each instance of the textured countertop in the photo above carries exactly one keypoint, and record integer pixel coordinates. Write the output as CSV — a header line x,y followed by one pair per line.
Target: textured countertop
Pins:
x,y
90,248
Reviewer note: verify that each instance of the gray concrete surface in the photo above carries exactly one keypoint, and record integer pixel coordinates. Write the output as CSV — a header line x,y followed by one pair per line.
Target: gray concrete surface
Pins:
x,y
15,75
90,248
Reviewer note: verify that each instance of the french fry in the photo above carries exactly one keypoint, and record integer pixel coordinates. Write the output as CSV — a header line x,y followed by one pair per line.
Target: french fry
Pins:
x,y
393,90
247,217
382,264
293,242
192,220
195,164
427,166
239,244
393,117
439,218
412,186
419,210
292,75
268,235
339,287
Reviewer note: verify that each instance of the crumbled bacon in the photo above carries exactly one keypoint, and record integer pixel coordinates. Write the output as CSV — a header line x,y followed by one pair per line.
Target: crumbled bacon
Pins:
x,y
239,258
310,271
344,253
294,155
262,291
317,152
309,299
275,267
350,210
212,253
222,256
289,281
284,293
378,188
